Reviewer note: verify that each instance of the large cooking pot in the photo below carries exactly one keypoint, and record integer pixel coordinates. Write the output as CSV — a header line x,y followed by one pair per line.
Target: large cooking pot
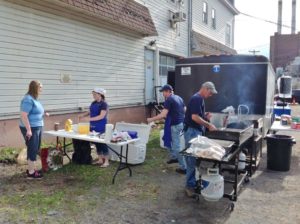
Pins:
x,y
239,125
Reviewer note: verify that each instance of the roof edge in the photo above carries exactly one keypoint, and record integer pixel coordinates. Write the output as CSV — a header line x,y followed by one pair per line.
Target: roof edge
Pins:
x,y
89,13
231,7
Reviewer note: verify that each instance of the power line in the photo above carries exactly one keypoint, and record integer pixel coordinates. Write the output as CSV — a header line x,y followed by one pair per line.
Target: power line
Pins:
x,y
261,46
264,20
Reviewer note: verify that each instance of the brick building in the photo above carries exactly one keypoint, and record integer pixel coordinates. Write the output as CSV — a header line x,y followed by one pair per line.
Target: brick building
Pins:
x,y
284,48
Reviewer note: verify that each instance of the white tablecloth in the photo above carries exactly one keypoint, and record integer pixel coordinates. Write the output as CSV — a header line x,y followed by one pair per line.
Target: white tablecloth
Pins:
x,y
89,138
277,126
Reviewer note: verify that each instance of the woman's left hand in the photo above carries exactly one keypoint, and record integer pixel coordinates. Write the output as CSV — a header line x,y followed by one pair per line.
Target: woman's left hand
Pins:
x,y
47,114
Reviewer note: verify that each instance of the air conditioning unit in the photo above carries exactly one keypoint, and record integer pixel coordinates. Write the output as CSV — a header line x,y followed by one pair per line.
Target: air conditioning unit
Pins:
x,y
179,17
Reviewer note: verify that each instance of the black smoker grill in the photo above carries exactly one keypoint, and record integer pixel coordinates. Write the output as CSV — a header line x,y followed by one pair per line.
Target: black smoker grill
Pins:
x,y
239,79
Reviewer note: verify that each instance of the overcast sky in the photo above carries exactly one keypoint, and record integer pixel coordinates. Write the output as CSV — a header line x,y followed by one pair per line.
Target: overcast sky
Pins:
x,y
255,34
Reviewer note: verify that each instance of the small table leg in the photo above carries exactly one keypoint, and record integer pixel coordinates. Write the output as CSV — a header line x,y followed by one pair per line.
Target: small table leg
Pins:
x,y
122,165
65,150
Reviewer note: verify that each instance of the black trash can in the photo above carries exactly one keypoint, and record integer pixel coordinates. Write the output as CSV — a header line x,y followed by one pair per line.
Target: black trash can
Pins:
x,y
279,151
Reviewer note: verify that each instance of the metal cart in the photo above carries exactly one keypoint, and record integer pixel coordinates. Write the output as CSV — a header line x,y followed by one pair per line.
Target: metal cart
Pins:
x,y
228,168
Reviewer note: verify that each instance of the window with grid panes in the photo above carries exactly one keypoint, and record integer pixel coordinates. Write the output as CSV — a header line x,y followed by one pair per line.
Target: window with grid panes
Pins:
x,y
205,12
228,35
166,63
213,19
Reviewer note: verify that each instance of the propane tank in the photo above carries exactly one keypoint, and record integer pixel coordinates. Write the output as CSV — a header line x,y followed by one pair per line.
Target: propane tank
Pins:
x,y
242,161
212,185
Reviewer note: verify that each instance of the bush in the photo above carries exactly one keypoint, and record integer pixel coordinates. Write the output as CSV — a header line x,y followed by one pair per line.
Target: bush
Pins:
x,y
9,155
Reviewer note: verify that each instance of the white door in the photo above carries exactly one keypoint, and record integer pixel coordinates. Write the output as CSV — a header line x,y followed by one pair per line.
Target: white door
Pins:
x,y
149,76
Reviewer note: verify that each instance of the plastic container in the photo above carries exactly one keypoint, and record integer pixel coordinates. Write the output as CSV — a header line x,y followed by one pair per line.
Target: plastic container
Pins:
x,y
136,151
83,128
161,141
68,125
280,110
108,132
212,185
279,151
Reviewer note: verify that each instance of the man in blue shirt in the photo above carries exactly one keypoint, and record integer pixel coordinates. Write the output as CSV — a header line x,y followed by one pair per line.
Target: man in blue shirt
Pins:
x,y
196,121
173,112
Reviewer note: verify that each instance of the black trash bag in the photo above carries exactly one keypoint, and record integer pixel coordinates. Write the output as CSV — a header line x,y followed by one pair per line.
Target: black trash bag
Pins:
x,y
82,152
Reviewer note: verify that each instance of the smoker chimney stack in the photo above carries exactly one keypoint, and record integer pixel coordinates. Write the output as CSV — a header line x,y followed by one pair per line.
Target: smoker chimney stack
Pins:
x,y
293,27
279,22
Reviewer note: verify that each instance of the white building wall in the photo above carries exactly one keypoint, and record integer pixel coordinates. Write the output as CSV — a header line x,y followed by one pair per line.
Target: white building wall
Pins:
x,y
43,45
173,41
223,16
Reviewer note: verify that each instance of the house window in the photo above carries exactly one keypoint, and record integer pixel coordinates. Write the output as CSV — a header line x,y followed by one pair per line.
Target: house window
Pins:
x,y
228,35
204,12
166,64
213,19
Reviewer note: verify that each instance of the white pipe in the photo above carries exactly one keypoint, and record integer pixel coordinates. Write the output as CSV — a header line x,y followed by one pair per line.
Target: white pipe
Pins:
x,y
156,73
190,26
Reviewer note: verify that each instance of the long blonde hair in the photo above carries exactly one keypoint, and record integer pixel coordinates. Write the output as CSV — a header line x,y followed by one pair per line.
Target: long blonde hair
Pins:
x,y
33,89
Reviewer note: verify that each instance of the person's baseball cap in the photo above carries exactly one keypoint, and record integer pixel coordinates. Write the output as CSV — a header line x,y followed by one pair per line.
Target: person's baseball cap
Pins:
x,y
99,91
210,86
166,87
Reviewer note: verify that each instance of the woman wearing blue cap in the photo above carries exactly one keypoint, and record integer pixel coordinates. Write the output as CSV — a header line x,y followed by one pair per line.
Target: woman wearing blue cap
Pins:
x,y
98,119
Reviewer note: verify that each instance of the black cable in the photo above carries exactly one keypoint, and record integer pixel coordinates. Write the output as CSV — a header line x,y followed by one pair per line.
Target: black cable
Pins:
x,y
265,20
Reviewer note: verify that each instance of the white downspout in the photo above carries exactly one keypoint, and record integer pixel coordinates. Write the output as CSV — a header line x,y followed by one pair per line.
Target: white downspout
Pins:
x,y
190,26
156,74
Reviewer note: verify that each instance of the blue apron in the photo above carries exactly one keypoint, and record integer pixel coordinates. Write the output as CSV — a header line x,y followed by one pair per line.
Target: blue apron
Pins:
x,y
95,110
167,138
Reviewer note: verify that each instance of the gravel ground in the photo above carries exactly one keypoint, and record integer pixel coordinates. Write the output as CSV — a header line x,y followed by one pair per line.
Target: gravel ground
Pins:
x,y
269,198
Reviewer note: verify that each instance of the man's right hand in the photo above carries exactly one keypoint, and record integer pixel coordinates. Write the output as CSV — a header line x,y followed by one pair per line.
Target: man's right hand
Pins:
x,y
211,127
149,120
28,134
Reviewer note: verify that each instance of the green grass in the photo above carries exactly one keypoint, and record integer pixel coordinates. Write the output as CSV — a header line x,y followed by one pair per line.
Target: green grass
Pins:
x,y
9,155
87,185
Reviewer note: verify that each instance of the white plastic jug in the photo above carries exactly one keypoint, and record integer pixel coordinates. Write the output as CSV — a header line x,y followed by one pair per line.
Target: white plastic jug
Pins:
x,y
108,132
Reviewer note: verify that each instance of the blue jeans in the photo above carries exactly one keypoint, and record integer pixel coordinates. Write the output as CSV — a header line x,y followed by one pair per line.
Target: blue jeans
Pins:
x,y
189,134
176,148
101,149
34,143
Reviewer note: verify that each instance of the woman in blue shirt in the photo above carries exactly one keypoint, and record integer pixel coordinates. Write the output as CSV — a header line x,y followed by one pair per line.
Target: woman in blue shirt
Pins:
x,y
31,125
98,119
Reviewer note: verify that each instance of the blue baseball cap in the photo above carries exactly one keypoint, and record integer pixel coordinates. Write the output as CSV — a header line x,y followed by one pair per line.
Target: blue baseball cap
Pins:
x,y
166,87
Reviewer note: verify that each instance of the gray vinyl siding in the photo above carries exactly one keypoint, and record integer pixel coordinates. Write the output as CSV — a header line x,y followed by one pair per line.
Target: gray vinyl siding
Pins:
x,y
41,44
223,17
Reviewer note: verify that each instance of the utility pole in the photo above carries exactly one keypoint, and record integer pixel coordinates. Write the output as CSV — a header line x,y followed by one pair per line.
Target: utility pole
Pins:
x,y
254,51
